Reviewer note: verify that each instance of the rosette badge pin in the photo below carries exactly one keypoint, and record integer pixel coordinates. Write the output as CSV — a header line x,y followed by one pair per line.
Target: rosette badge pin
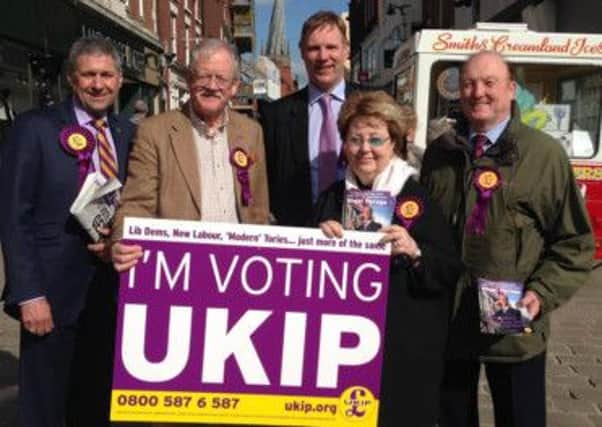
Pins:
x,y
408,210
78,141
242,162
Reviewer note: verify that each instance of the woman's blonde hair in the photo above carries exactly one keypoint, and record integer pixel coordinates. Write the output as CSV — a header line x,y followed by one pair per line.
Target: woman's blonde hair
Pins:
x,y
379,105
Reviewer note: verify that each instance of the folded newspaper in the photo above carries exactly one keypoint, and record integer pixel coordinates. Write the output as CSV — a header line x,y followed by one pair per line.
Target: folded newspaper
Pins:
x,y
96,203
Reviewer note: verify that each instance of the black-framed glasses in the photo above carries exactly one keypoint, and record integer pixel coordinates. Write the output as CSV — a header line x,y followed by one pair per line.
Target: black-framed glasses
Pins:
x,y
373,141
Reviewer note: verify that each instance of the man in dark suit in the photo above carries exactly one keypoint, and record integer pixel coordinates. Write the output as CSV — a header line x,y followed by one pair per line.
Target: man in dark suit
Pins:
x,y
298,168
59,284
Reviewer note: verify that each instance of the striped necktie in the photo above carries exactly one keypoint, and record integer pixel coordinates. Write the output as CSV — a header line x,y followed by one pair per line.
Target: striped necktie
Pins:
x,y
108,165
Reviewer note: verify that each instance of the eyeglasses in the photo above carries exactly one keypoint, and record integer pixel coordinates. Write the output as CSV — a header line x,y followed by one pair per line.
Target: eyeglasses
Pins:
x,y
373,141
206,79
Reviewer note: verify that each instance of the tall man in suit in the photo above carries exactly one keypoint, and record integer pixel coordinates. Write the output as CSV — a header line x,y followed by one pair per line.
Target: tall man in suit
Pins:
x,y
59,283
182,165
295,127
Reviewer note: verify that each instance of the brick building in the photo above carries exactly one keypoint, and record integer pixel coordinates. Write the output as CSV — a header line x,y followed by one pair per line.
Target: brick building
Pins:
x,y
35,36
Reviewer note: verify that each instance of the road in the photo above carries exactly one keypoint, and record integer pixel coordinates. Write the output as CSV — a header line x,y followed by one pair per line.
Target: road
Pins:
x,y
574,370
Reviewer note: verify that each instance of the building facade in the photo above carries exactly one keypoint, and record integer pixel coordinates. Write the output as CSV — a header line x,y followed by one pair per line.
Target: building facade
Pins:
x,y
35,36
183,23
154,38
378,28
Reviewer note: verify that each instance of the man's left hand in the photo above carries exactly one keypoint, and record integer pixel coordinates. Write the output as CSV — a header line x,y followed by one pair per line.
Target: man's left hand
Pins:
x,y
102,249
532,303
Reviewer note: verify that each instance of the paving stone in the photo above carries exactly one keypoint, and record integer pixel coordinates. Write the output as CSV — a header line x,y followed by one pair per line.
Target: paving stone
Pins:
x,y
590,393
590,370
596,420
576,406
560,349
568,380
557,391
560,370
557,419
585,359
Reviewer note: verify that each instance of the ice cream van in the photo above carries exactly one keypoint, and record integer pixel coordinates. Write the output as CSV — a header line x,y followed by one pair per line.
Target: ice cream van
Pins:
x,y
559,78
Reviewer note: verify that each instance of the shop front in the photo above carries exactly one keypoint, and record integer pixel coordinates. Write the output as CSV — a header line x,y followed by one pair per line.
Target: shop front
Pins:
x,y
35,36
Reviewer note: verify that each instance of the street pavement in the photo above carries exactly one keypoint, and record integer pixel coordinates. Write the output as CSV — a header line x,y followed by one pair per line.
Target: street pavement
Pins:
x,y
574,370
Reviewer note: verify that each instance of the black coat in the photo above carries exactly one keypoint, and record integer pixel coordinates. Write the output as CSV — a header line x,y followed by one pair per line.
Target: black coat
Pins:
x,y
285,124
417,312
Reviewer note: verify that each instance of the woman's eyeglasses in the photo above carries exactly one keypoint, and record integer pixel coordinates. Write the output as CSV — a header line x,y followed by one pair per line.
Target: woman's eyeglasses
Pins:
x,y
373,141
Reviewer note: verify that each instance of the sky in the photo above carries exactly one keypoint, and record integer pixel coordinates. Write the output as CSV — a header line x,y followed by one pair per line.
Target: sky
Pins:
x,y
295,11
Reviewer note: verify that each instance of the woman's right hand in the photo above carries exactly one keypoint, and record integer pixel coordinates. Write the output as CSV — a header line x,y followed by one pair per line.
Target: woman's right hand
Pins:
x,y
332,228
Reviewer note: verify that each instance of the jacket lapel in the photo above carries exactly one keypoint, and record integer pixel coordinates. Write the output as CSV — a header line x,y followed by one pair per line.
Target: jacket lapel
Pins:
x,y
64,115
237,138
182,142
299,125
66,112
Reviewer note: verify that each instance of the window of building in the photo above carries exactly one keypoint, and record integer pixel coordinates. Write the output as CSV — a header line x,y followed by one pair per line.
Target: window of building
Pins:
x,y
187,44
174,33
154,16
562,100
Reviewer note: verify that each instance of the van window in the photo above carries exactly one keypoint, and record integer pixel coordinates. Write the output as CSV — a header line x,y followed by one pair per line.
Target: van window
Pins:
x,y
561,100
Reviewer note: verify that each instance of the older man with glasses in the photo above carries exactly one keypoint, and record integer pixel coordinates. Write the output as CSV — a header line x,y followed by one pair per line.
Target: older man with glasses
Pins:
x,y
205,143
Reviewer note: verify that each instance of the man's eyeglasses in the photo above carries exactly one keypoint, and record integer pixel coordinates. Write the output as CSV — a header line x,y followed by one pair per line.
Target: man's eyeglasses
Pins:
x,y
206,79
373,141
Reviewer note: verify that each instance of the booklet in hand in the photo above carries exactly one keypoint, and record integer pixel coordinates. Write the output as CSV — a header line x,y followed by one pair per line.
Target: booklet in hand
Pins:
x,y
96,203
501,311
367,210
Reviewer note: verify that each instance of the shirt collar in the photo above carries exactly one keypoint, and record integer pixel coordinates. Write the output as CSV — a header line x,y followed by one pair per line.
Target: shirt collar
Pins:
x,y
494,133
200,124
337,92
82,116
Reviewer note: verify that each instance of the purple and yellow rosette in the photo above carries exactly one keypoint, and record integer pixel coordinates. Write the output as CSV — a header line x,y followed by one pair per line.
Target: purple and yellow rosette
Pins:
x,y
79,142
486,181
408,210
242,162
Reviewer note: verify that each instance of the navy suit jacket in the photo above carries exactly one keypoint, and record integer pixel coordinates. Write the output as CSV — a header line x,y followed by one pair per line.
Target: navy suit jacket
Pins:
x,y
285,125
44,246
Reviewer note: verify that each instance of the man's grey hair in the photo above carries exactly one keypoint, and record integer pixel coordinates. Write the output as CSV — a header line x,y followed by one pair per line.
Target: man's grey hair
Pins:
x,y
91,46
207,47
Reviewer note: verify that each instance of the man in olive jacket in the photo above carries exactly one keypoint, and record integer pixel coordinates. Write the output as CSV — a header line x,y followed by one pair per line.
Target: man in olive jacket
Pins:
x,y
535,230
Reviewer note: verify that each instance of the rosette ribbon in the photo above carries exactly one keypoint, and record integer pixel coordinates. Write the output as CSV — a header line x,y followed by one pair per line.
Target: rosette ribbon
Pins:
x,y
242,162
486,181
408,210
79,142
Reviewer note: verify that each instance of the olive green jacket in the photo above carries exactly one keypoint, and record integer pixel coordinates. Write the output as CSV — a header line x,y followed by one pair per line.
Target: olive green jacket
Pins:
x,y
537,232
